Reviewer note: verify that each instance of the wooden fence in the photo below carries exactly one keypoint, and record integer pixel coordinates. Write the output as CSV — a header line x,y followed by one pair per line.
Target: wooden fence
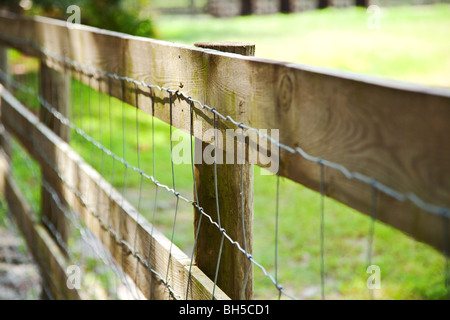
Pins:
x,y
341,134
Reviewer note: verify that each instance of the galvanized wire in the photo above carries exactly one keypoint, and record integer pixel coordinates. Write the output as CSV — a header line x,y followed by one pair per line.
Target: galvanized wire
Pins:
x,y
90,71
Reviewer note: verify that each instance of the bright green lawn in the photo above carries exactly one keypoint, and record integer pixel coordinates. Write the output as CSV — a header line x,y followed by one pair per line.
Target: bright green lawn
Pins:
x,y
411,45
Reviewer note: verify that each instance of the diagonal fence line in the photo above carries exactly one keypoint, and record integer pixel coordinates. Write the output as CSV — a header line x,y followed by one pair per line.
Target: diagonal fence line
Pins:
x,y
439,210
66,121
105,225
86,235
91,71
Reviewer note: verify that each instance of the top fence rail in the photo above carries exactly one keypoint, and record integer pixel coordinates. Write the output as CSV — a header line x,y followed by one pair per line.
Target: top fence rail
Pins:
x,y
341,133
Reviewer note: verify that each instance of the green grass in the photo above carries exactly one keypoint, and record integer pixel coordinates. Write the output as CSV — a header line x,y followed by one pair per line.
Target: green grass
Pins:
x,y
411,45
401,259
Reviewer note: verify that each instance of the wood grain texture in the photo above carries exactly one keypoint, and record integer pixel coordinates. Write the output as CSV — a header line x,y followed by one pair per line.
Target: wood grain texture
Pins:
x,y
393,132
103,208
246,49
233,263
235,270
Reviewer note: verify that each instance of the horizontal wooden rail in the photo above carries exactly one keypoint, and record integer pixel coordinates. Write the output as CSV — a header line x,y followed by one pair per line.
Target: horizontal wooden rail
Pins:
x,y
51,260
393,132
103,209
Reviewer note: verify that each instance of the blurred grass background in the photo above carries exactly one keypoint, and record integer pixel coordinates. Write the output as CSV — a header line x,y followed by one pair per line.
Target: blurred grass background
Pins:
x,y
411,45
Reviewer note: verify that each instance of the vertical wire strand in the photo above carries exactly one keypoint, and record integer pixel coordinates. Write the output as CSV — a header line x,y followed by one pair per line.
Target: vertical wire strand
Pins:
x,y
171,142
140,182
100,119
191,109
247,273
243,215
242,191
111,143
52,125
100,126
89,88
54,97
174,188
217,206
113,169
218,263
72,96
124,141
80,88
215,170
373,212
322,230
124,183
153,135
277,206
90,117
120,276
66,85
150,250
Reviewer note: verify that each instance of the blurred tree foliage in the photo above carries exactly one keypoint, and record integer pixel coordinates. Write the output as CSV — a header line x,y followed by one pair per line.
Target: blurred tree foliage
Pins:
x,y
115,15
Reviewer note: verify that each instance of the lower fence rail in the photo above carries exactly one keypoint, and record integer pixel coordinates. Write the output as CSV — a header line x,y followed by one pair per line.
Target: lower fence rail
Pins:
x,y
160,269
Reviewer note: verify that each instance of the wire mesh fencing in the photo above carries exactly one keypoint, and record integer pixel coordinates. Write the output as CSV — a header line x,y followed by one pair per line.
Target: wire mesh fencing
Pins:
x,y
133,151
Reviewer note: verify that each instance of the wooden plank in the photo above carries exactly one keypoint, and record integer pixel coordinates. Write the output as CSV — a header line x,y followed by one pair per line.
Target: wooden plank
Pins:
x,y
103,209
46,253
232,273
390,131
245,49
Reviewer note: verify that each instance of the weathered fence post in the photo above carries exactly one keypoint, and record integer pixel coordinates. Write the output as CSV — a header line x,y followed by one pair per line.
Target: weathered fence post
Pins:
x,y
54,89
323,4
235,270
362,3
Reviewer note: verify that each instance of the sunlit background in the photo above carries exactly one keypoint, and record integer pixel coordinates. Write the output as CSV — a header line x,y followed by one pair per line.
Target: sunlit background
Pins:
x,y
402,42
